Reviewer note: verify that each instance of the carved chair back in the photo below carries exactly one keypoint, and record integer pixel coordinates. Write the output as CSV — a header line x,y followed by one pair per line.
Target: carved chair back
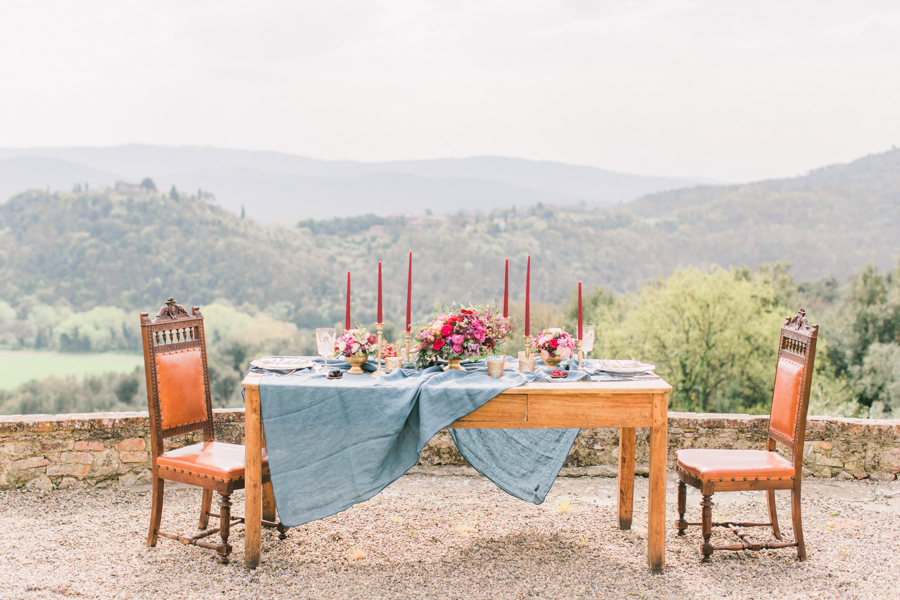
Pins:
x,y
178,395
793,375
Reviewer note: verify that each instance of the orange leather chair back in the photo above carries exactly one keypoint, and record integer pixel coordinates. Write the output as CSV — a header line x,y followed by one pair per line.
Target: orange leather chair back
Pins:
x,y
178,395
793,375
182,394
787,398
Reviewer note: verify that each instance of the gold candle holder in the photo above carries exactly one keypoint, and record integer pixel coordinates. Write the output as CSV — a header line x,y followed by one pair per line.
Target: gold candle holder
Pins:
x,y
527,346
580,345
408,335
378,370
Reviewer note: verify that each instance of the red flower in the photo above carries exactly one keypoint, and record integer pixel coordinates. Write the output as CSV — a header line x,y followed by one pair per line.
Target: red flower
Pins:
x,y
438,343
446,330
554,343
372,339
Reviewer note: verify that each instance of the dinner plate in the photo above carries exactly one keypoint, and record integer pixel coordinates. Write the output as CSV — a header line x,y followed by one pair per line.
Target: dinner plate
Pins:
x,y
282,363
623,367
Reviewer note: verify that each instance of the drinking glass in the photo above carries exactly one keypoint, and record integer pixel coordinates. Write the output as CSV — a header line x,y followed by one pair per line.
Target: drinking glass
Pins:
x,y
587,339
495,366
325,343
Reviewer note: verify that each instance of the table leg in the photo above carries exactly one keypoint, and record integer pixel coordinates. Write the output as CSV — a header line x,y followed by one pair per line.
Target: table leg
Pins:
x,y
252,477
627,444
269,512
656,526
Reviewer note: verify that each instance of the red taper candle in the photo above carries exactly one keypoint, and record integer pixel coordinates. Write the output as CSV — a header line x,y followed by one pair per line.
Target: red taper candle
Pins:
x,y
409,295
347,319
528,298
379,320
580,328
506,291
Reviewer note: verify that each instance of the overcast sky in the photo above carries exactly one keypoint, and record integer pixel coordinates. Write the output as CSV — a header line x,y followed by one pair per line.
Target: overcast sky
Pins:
x,y
728,90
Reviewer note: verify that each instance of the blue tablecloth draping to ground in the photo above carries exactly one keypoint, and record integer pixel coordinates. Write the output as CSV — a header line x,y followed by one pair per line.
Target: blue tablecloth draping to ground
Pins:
x,y
335,443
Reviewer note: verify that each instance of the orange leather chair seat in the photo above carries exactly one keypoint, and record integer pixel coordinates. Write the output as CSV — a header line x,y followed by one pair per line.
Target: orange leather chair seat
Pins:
x,y
725,464
217,460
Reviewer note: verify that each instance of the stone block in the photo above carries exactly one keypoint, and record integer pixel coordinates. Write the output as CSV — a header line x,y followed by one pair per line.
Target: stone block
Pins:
x,y
133,480
88,446
71,470
83,458
892,458
106,464
883,477
134,457
29,463
132,445
57,445
19,449
825,445
41,483
69,482
821,459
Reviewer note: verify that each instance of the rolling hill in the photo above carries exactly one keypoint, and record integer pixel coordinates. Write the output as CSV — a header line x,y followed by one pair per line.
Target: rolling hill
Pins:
x,y
281,188
103,248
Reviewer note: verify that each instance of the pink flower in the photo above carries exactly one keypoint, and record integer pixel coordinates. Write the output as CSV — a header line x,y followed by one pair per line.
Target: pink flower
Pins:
x,y
372,339
446,330
458,349
456,340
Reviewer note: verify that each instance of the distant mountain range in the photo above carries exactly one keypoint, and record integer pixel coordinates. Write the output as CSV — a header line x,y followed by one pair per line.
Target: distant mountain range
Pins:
x,y
275,187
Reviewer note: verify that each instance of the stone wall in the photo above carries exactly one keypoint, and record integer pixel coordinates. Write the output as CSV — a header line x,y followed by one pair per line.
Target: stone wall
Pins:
x,y
48,451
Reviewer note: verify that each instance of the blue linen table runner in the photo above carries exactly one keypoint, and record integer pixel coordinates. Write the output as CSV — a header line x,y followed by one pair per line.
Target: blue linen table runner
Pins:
x,y
335,443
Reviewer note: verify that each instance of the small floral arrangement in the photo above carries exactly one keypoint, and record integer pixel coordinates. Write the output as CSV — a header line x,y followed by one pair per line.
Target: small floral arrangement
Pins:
x,y
464,333
356,342
553,342
387,350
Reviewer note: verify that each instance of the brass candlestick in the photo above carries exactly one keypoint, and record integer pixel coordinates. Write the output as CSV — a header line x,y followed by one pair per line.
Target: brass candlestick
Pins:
x,y
378,370
580,346
408,335
527,346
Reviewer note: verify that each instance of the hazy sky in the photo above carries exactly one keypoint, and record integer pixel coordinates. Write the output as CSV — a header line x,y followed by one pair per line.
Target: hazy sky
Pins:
x,y
727,90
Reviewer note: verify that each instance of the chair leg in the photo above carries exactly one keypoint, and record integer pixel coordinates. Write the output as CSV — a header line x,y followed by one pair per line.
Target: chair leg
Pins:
x,y
682,506
706,505
798,525
205,506
773,514
224,525
156,511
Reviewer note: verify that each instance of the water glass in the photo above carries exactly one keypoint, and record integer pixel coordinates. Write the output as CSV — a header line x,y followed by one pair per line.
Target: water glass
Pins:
x,y
325,343
587,341
526,365
495,366
392,363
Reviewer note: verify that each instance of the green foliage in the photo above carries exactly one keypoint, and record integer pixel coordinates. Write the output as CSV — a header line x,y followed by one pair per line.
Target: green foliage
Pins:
x,y
711,334
148,184
93,393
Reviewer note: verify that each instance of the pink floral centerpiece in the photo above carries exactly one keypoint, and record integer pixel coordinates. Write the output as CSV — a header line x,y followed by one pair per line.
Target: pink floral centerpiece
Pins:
x,y
356,342
465,333
354,346
553,344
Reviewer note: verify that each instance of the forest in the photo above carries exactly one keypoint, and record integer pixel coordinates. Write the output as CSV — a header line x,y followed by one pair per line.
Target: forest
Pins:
x,y
695,281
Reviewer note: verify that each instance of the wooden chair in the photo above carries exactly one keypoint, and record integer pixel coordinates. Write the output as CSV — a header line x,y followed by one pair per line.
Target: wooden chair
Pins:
x,y
178,400
713,471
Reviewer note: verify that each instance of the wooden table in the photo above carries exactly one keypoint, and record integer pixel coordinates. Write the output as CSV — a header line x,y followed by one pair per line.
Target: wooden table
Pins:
x,y
624,405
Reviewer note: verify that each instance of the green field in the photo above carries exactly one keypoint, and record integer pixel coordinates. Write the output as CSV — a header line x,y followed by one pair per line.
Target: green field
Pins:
x,y
19,366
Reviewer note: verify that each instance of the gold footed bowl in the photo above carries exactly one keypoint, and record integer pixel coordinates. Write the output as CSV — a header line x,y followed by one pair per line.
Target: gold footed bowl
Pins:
x,y
453,363
552,361
356,363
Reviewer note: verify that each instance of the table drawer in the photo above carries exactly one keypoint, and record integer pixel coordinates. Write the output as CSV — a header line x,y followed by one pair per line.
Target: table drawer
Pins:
x,y
508,408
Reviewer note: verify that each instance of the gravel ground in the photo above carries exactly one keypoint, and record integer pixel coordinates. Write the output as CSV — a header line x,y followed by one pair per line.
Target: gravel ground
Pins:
x,y
449,537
